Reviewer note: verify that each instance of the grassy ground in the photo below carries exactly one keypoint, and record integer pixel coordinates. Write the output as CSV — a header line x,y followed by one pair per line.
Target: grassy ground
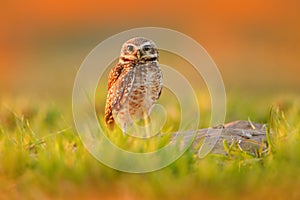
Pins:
x,y
41,157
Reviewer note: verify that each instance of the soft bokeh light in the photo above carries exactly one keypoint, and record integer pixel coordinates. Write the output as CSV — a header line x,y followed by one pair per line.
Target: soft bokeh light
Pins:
x,y
254,43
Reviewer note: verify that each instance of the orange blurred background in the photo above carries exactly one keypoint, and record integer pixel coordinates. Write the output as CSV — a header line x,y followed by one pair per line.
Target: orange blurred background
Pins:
x,y
255,44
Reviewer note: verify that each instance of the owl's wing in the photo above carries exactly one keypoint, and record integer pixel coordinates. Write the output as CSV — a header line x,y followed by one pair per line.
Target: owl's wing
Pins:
x,y
119,88
114,75
160,75
159,93
122,88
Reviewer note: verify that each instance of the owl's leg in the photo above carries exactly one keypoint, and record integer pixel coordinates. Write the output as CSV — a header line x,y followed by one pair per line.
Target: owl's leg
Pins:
x,y
121,121
147,124
124,128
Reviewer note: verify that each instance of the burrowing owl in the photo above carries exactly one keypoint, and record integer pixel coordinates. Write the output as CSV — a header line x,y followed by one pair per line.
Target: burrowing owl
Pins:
x,y
134,84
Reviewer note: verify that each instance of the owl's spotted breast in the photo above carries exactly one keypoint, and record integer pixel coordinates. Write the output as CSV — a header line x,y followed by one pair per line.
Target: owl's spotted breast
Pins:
x,y
145,91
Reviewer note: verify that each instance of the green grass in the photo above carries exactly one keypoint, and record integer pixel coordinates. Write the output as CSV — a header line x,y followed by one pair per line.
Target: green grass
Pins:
x,y
42,157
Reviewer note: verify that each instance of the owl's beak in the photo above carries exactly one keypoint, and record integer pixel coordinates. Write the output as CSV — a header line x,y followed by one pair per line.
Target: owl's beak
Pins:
x,y
138,54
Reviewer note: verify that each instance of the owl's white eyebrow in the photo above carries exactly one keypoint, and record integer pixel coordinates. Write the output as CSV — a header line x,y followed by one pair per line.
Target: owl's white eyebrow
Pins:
x,y
126,45
144,44
132,45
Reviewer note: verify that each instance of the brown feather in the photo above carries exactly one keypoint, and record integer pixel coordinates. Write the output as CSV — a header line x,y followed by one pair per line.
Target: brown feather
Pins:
x,y
112,78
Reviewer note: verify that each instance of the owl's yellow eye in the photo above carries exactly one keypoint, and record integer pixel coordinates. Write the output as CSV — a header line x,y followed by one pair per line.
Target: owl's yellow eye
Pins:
x,y
130,48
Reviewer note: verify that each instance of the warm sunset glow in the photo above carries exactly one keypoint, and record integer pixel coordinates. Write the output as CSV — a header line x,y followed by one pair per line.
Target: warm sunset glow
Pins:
x,y
254,36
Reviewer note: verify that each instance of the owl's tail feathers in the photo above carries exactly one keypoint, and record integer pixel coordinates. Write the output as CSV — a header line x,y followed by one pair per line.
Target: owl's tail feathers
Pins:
x,y
109,120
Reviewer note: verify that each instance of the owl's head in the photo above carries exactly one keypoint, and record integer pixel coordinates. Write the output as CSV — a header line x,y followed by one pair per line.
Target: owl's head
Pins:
x,y
139,49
